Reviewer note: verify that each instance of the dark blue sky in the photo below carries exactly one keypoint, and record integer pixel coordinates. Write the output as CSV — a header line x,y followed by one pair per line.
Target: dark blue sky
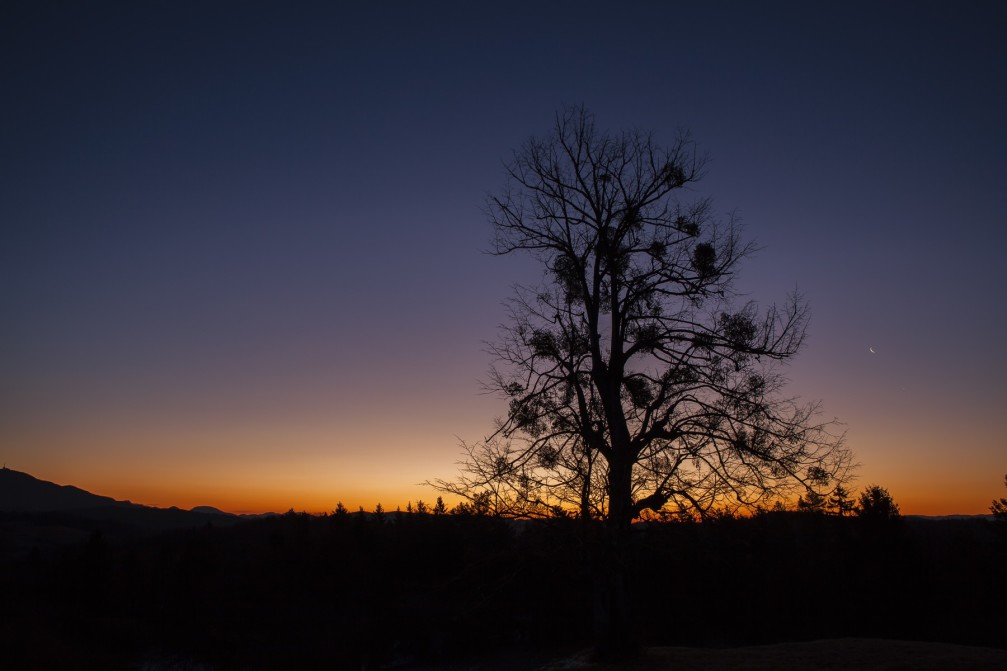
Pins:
x,y
241,241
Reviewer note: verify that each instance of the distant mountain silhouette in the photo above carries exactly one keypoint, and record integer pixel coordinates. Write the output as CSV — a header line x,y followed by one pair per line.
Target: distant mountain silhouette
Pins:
x,y
943,518
37,513
23,493
209,510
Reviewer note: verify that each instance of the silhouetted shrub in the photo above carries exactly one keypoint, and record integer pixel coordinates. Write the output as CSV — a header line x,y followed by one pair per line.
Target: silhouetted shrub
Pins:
x,y
877,504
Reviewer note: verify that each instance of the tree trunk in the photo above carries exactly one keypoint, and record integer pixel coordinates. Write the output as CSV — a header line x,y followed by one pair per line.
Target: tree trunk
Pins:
x,y
615,637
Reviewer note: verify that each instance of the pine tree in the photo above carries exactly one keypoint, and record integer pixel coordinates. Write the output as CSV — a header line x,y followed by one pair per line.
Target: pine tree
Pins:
x,y
840,502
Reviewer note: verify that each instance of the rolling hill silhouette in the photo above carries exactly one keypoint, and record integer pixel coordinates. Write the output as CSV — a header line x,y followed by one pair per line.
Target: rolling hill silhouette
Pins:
x,y
39,513
23,493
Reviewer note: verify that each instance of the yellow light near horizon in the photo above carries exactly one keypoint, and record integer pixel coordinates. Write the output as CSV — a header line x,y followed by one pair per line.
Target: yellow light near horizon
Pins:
x,y
275,466
261,479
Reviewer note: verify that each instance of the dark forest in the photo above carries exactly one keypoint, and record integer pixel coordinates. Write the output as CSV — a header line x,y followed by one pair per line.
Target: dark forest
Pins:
x,y
398,590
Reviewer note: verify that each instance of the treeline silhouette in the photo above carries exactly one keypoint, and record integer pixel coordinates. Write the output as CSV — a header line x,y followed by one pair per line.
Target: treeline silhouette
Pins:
x,y
359,590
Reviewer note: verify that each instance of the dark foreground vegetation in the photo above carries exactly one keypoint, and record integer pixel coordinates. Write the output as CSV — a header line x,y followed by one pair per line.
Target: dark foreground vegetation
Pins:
x,y
365,591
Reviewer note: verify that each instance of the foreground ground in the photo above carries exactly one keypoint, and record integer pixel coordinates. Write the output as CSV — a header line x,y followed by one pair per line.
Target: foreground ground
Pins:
x,y
462,593
830,655
851,654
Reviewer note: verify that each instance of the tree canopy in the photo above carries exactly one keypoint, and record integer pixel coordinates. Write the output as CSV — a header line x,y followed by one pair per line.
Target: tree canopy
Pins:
x,y
636,377
877,504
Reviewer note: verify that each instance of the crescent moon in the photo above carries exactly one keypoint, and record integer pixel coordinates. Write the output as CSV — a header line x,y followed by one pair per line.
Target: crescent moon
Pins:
x,y
871,350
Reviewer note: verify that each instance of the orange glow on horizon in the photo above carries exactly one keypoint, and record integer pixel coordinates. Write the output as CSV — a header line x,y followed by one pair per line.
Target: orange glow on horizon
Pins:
x,y
253,500
273,466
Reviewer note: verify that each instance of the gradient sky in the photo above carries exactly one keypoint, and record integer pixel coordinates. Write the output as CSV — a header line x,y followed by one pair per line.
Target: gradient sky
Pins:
x,y
242,266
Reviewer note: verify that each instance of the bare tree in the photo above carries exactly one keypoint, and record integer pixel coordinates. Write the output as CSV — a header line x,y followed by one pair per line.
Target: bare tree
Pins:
x,y
635,379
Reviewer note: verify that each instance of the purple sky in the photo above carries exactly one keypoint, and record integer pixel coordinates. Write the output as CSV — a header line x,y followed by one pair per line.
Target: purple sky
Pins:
x,y
241,260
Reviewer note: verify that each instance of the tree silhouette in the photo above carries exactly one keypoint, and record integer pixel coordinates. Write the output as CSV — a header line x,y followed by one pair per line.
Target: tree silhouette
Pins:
x,y
999,507
840,502
634,379
811,502
877,504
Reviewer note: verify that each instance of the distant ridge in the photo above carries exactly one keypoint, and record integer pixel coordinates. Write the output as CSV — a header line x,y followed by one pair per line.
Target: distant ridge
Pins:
x,y
938,518
209,510
23,493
